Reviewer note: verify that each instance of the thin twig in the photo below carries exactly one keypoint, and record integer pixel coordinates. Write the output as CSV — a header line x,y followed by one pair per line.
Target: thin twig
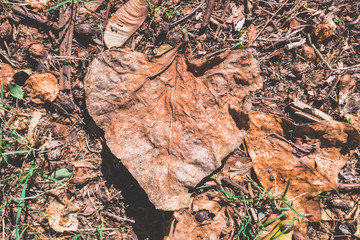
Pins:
x,y
209,8
227,4
234,184
349,185
22,11
117,218
6,57
318,53
263,28
189,15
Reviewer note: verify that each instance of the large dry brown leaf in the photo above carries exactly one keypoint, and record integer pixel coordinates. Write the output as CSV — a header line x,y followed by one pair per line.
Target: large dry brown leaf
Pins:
x,y
311,161
169,128
125,22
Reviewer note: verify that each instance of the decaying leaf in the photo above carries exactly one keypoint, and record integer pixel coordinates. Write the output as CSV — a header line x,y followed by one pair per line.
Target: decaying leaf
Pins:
x,y
16,90
33,135
168,127
283,231
206,219
235,167
308,52
93,5
44,87
163,49
270,141
126,21
347,87
251,34
6,75
352,105
325,30
63,216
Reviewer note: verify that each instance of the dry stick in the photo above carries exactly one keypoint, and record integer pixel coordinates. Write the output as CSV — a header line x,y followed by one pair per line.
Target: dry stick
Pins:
x,y
263,28
189,15
209,8
318,53
236,185
349,185
107,13
6,57
67,23
117,218
227,4
22,11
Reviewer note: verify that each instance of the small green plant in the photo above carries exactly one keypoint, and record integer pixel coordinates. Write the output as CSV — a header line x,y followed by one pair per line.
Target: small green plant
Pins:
x,y
240,43
247,227
100,228
20,160
151,8
348,120
16,91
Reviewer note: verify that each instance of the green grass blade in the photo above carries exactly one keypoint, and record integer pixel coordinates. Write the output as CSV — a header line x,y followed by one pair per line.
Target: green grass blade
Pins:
x,y
52,179
284,231
17,138
273,220
2,93
58,5
83,1
20,207
100,230
78,235
15,152
286,189
8,178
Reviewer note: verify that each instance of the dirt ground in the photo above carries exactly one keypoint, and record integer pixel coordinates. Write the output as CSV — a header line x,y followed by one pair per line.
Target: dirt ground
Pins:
x,y
308,52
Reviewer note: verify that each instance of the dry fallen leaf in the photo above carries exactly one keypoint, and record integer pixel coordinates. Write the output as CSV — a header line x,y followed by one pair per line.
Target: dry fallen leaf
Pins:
x,y
308,52
347,87
33,135
352,105
6,75
125,22
325,30
206,219
63,216
168,127
270,141
93,5
251,34
43,87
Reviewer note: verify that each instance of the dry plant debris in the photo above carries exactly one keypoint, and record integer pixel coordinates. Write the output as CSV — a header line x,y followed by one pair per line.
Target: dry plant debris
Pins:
x,y
44,87
168,127
206,219
309,156
126,21
52,153
6,74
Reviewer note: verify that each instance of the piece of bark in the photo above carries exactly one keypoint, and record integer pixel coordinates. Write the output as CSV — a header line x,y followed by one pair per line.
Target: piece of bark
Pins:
x,y
66,22
303,110
209,8
24,12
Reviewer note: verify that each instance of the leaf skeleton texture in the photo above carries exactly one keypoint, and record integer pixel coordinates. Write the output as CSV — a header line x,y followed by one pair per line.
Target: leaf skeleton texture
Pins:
x,y
168,127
